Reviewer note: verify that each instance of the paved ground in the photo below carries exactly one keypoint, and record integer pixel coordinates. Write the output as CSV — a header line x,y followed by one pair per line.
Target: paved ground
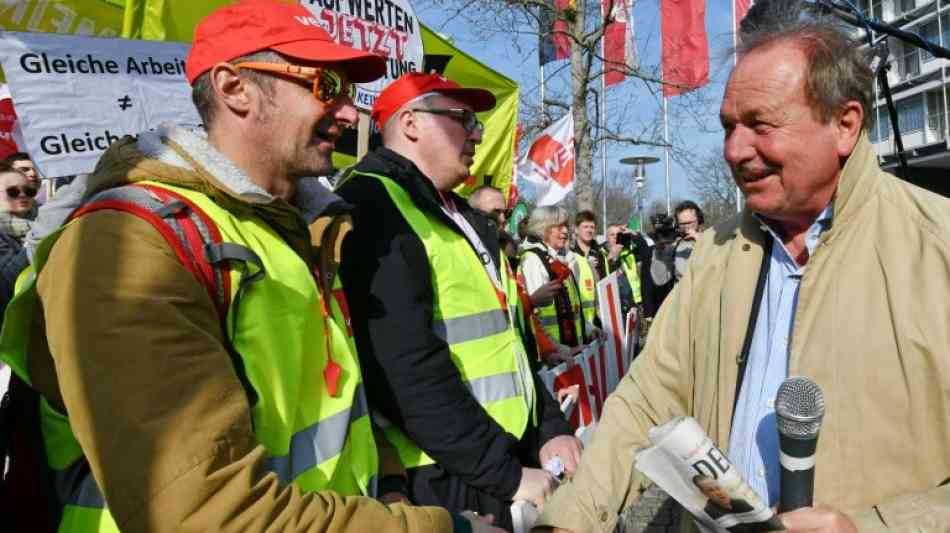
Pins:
x,y
653,513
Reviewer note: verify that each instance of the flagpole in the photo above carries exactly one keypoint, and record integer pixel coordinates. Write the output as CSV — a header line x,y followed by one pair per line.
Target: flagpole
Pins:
x,y
603,123
666,153
543,114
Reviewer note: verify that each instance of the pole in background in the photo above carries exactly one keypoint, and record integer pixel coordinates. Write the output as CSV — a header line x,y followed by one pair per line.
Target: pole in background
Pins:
x,y
735,60
639,164
666,154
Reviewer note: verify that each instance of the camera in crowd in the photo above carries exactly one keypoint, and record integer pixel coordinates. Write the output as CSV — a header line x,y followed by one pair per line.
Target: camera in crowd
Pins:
x,y
664,228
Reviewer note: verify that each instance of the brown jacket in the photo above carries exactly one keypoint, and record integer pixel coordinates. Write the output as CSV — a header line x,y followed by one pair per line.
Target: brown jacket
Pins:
x,y
872,328
140,367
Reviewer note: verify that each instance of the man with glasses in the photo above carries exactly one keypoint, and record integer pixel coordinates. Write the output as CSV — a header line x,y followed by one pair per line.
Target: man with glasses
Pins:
x,y
689,222
491,203
186,411
21,162
433,310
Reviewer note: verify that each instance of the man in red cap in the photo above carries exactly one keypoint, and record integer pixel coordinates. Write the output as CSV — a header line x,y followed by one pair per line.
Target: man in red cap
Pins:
x,y
432,313
187,411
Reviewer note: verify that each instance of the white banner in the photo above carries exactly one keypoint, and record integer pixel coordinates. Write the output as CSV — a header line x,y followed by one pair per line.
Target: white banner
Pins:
x,y
385,27
608,297
549,162
76,95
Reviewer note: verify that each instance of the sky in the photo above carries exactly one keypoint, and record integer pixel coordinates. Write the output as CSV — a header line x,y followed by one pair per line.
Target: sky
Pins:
x,y
519,62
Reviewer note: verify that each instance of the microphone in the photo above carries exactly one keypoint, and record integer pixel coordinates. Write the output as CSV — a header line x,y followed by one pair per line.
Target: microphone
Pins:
x,y
799,407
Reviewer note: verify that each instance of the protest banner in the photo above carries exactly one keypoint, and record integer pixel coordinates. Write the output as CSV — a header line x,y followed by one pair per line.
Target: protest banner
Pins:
x,y
76,95
385,27
608,297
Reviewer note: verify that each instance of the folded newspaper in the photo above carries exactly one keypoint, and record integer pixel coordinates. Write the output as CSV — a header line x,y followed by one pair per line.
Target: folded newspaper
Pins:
x,y
686,464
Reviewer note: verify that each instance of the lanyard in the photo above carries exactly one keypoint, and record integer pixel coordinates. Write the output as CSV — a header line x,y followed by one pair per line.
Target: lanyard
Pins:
x,y
332,372
449,208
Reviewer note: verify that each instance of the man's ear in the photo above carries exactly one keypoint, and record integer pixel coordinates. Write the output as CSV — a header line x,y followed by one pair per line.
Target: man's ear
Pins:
x,y
408,125
232,91
848,127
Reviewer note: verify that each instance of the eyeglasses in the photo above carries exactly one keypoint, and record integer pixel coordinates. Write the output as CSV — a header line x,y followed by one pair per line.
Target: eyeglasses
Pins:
x,y
466,117
15,192
501,212
327,85
687,224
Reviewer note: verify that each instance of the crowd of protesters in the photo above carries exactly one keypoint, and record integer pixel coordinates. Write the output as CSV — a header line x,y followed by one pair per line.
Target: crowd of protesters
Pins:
x,y
203,338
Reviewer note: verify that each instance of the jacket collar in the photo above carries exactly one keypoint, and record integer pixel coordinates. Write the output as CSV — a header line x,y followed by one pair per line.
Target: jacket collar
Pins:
x,y
426,197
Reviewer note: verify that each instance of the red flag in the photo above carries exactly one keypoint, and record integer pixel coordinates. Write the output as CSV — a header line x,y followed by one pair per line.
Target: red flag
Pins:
x,y
619,51
685,47
8,124
740,8
555,43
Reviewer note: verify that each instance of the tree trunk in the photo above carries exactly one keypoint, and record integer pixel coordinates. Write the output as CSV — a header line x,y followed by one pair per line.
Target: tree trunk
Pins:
x,y
583,150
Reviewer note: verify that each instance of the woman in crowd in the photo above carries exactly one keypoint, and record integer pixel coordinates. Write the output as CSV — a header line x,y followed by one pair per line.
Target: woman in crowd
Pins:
x,y
547,268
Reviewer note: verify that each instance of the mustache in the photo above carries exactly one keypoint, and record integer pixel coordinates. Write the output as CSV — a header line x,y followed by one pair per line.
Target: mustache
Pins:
x,y
753,171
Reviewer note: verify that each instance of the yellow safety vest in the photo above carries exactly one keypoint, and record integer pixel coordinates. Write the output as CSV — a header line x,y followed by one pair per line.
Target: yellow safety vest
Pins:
x,y
547,314
628,262
314,440
469,317
587,286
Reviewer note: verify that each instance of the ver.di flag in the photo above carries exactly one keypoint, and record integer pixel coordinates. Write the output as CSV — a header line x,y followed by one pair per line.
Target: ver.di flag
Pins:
x,y
549,162
685,54
620,50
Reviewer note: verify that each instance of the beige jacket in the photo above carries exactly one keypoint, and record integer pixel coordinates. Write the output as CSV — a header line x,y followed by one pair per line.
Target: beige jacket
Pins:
x,y
872,328
139,364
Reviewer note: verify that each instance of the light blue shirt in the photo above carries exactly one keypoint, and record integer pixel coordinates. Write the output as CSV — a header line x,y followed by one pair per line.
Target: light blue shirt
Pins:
x,y
753,444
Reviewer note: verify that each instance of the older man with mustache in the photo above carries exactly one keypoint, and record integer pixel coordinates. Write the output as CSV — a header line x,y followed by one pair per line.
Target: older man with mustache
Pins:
x,y
835,270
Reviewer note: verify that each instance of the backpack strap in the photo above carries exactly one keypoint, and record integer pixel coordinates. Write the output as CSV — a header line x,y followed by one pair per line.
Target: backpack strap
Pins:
x,y
196,241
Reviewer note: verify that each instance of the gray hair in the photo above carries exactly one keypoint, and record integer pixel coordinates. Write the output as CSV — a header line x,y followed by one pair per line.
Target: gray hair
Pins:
x,y
202,91
838,67
420,102
545,217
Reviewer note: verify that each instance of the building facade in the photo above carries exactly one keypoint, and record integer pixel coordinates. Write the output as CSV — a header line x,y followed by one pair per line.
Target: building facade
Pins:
x,y
919,86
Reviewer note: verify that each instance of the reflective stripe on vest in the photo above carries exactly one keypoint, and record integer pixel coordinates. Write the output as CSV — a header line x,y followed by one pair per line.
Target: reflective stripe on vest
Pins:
x,y
317,441
467,315
471,327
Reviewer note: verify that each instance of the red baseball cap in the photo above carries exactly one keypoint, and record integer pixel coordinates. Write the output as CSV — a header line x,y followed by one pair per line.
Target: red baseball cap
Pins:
x,y
291,29
415,84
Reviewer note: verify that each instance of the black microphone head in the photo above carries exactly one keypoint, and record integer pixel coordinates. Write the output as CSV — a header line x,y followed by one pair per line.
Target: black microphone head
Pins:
x,y
799,408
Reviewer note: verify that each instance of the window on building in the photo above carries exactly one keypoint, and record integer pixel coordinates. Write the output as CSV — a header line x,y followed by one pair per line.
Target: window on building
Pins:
x,y
872,9
936,115
945,28
906,5
910,114
908,62
880,131
930,32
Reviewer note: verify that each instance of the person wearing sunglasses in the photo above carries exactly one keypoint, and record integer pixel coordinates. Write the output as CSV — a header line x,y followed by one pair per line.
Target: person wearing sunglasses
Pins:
x,y
433,306
17,203
186,413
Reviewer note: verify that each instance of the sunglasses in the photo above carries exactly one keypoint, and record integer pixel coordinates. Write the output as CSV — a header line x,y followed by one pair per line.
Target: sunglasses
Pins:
x,y
327,85
16,192
466,117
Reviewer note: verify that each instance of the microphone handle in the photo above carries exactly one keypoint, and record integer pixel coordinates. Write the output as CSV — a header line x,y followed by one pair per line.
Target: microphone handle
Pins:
x,y
797,489
797,481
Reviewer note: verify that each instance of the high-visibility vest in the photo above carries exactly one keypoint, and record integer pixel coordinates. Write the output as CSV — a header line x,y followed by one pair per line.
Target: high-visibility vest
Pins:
x,y
548,315
628,263
314,440
474,319
587,286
